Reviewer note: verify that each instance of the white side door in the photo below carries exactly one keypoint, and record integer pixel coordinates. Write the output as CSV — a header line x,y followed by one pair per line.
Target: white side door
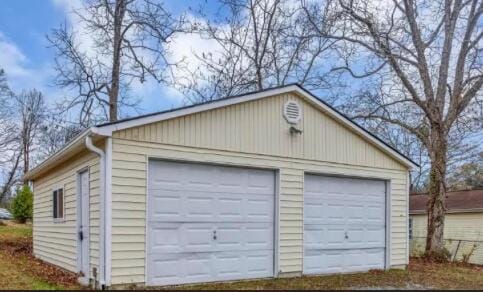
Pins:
x,y
209,223
83,226
344,224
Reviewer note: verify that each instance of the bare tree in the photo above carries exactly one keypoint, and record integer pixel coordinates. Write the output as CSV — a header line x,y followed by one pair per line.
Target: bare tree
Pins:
x,y
429,55
32,110
129,38
55,133
20,120
10,154
468,176
258,44
4,89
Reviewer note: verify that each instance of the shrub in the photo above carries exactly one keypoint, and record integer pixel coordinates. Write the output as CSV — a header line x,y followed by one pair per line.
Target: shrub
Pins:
x,y
22,204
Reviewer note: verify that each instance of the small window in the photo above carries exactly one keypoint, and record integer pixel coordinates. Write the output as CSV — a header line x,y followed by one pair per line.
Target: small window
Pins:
x,y
410,228
58,206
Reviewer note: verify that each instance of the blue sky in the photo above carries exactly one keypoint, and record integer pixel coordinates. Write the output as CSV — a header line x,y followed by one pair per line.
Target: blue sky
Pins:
x,y
28,61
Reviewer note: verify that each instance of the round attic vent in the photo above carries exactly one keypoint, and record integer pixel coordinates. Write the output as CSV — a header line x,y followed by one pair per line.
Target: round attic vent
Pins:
x,y
292,112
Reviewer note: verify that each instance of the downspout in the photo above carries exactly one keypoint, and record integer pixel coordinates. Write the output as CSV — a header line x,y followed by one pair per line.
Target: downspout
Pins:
x,y
102,219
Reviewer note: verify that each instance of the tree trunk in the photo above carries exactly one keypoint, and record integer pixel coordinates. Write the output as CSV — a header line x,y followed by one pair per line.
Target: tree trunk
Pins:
x,y
116,60
436,193
26,161
10,181
26,156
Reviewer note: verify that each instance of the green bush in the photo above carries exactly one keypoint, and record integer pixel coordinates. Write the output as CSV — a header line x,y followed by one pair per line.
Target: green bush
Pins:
x,y
22,204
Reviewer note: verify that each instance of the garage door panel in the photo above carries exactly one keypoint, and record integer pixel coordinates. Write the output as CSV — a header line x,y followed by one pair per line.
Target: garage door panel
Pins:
x,y
210,207
259,208
218,224
318,262
375,211
198,237
344,224
313,237
254,236
204,267
372,188
342,261
175,238
376,235
165,207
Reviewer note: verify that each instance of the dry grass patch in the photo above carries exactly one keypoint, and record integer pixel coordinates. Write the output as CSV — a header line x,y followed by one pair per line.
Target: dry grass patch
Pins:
x,y
18,267
420,274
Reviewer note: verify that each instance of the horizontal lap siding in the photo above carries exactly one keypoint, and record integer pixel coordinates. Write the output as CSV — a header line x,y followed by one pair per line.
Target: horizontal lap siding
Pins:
x,y
129,202
248,134
56,242
467,227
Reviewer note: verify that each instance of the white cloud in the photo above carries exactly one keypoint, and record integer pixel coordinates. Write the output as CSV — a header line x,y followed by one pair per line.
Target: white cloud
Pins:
x,y
187,47
12,59
72,9
21,73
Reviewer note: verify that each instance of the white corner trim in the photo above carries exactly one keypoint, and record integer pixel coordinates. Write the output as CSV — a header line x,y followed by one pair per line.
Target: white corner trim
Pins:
x,y
78,218
389,214
408,182
102,208
108,212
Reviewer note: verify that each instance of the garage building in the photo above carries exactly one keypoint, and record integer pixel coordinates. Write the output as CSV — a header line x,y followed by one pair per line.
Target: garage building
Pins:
x,y
266,184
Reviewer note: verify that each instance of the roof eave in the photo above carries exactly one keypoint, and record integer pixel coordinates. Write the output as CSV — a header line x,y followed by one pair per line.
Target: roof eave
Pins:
x,y
70,148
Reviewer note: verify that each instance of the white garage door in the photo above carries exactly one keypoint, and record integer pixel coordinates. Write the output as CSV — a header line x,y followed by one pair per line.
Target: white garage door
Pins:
x,y
209,223
344,224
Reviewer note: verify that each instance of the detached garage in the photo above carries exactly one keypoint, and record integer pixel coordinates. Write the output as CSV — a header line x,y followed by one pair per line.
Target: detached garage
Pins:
x,y
266,184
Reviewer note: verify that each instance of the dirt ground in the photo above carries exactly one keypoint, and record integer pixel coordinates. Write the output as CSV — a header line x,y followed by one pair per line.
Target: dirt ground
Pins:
x,y
20,270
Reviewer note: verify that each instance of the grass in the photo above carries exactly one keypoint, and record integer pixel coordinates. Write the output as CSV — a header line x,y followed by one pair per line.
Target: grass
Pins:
x,y
20,270
11,277
15,230
420,274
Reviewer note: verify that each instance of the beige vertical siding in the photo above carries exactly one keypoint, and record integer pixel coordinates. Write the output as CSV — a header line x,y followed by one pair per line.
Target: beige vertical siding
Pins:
x,y
252,134
463,229
55,242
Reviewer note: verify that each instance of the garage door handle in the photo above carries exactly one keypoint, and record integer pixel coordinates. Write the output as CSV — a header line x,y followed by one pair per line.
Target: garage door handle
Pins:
x,y
214,235
346,236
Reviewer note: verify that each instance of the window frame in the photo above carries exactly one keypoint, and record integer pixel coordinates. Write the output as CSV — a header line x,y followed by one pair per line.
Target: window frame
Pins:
x,y
56,205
